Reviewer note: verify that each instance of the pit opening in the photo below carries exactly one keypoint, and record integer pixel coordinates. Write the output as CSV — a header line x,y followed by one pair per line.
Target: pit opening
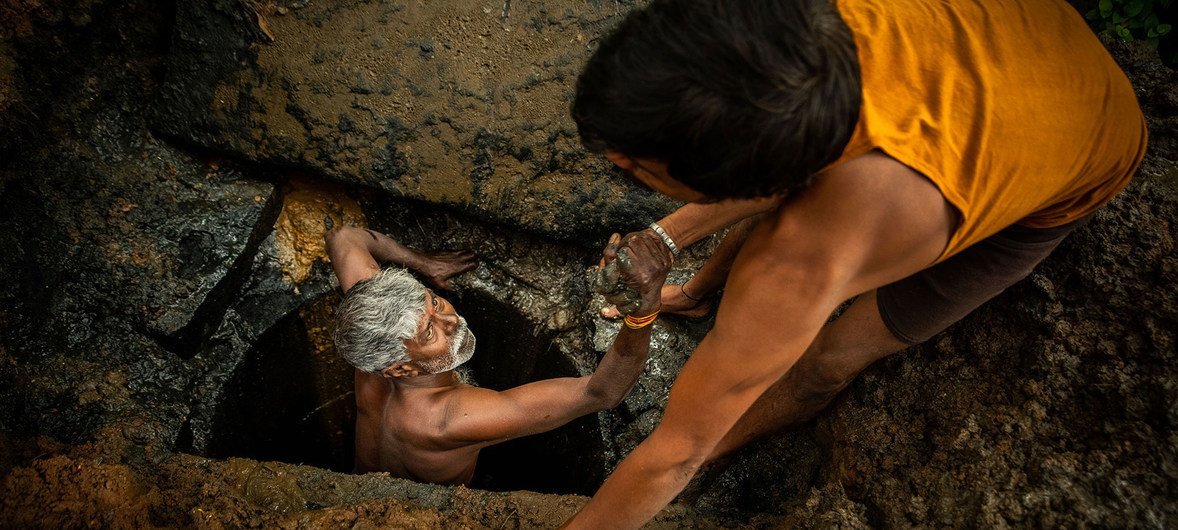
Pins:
x,y
291,400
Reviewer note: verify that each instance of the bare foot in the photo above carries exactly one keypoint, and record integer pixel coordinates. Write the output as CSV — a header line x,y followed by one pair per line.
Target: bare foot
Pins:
x,y
674,302
439,267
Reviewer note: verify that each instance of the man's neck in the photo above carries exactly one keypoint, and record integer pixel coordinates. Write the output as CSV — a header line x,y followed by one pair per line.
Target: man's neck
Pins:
x,y
438,380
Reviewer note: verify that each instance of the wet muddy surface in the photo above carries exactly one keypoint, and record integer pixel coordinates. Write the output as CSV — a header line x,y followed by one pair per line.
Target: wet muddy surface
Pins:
x,y
165,352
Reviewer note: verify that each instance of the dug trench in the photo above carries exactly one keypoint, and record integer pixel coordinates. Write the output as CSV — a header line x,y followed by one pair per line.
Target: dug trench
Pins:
x,y
167,176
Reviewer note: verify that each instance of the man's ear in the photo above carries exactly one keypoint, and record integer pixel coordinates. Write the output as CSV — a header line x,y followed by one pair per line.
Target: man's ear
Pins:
x,y
622,161
400,370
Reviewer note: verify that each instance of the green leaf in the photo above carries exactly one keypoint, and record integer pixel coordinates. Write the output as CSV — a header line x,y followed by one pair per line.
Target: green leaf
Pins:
x,y
1125,34
1163,29
1106,6
1151,20
1134,8
1152,33
1093,15
1117,18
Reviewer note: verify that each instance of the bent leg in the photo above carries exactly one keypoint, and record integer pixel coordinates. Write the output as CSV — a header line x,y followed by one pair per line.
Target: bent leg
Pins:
x,y
890,319
842,349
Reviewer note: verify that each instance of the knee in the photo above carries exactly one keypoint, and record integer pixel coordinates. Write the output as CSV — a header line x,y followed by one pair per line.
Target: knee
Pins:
x,y
826,373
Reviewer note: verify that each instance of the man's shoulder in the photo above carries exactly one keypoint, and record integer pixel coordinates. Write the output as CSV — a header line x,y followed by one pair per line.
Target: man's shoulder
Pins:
x,y
370,388
432,412
864,187
433,422
864,213
463,396
872,163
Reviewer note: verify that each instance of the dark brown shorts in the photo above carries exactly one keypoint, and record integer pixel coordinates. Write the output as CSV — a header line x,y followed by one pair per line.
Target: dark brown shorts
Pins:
x,y
922,305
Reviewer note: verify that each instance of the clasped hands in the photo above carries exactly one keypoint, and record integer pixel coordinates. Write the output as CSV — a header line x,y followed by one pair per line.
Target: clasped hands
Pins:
x,y
632,272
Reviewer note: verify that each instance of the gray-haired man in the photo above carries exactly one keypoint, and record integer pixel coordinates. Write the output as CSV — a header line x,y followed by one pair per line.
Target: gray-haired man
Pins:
x,y
415,419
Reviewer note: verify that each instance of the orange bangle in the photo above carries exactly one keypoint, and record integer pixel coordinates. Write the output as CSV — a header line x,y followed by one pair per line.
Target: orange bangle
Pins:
x,y
633,322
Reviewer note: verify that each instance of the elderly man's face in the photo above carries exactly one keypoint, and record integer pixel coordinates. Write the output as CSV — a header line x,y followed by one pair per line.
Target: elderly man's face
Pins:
x,y
443,340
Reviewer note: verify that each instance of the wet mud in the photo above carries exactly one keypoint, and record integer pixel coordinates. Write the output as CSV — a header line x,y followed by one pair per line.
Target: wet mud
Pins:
x,y
167,174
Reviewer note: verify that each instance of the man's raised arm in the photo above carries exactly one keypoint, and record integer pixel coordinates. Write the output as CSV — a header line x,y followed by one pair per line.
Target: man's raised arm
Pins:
x,y
356,254
485,417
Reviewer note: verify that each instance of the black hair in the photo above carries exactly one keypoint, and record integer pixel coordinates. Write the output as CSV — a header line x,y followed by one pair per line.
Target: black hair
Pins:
x,y
741,98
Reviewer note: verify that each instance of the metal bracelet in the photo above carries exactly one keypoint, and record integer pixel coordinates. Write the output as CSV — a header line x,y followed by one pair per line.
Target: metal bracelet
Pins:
x,y
666,238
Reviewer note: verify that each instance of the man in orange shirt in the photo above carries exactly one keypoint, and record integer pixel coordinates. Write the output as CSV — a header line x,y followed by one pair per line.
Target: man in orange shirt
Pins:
x,y
919,156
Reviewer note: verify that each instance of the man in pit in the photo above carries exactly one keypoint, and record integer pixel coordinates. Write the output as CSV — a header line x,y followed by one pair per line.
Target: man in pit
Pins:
x,y
415,418
918,156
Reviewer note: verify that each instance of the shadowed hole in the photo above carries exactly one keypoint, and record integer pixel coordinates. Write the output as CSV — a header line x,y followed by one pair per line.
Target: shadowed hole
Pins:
x,y
291,400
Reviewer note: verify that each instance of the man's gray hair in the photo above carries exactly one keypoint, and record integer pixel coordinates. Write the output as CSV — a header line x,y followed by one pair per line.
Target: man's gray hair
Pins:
x,y
376,316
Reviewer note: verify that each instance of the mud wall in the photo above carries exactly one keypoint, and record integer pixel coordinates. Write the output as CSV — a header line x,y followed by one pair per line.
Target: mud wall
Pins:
x,y
462,104
167,177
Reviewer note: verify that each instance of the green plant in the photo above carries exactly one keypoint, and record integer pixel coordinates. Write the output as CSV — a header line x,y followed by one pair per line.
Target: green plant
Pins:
x,y
1129,19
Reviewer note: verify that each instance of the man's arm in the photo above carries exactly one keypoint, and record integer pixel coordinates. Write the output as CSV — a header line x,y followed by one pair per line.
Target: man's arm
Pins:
x,y
485,417
356,254
868,224
759,333
693,222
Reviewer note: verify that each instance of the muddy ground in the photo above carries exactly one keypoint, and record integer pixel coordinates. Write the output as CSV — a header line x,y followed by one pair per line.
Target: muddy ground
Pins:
x,y
167,171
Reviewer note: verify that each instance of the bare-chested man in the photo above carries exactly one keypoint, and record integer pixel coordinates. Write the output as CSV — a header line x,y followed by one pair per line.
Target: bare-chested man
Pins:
x,y
415,419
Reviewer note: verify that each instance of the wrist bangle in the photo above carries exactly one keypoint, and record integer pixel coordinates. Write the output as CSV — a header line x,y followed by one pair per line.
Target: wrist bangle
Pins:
x,y
633,322
683,289
666,238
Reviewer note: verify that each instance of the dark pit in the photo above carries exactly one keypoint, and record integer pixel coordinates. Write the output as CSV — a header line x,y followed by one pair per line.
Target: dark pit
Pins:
x,y
291,397
291,400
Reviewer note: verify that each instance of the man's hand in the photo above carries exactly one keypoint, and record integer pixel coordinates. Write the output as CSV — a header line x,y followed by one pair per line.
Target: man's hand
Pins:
x,y
438,267
357,252
632,272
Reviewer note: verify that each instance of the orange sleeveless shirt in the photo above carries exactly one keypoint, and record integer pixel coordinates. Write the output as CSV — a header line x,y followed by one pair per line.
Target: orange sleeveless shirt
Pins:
x,y
1014,110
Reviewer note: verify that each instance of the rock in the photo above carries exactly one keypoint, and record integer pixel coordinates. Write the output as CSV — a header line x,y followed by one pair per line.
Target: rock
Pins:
x,y
266,297
207,231
479,124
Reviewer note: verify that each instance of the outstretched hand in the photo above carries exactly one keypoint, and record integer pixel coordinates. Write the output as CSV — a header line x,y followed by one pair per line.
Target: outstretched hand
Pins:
x,y
438,267
632,272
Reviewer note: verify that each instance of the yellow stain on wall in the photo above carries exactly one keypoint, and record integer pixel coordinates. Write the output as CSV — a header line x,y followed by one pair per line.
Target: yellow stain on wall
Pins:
x,y
299,231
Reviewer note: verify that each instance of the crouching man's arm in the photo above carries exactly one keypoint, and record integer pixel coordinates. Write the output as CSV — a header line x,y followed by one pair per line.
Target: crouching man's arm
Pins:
x,y
356,254
485,417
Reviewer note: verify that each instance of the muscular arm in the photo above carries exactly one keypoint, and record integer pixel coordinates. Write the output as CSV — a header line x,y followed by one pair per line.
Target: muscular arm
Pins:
x,y
484,417
356,254
868,224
